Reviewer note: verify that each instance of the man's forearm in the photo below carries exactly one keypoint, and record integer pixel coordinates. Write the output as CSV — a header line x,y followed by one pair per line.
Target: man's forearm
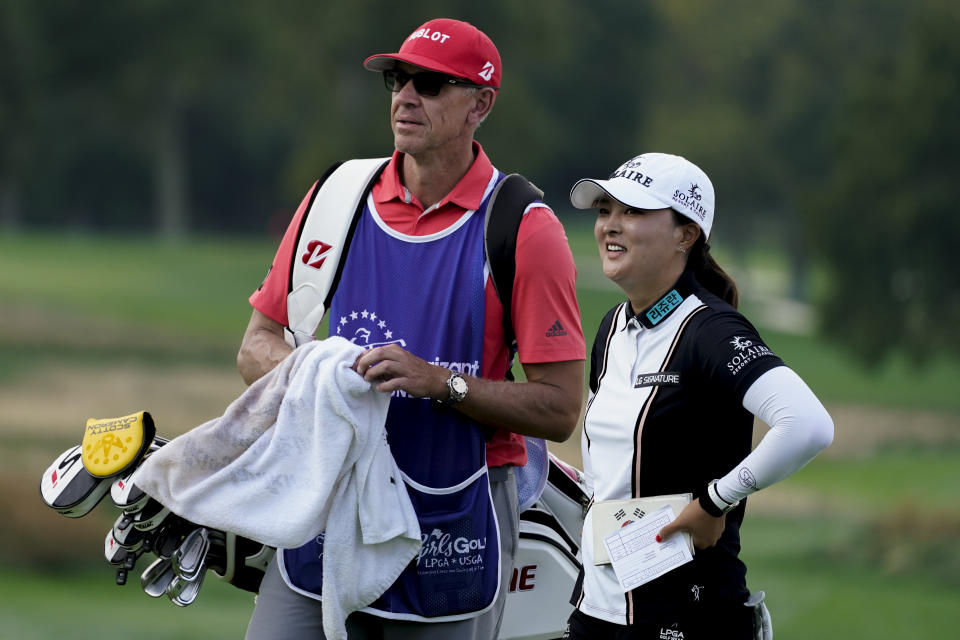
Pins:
x,y
260,356
262,348
537,409
546,406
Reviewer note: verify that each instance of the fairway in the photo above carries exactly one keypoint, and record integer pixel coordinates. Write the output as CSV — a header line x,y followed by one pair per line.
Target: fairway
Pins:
x,y
817,587
89,606
859,544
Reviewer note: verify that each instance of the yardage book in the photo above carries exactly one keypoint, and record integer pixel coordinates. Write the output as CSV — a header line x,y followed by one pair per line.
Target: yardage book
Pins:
x,y
610,515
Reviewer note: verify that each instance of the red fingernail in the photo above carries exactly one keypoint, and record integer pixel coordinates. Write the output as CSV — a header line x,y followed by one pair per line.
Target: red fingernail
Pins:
x,y
658,538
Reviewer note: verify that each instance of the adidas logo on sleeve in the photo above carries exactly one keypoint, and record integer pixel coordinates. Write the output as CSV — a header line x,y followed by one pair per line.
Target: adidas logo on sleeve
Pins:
x,y
556,330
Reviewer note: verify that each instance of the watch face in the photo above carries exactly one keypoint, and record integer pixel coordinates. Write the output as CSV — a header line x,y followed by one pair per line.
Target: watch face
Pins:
x,y
459,385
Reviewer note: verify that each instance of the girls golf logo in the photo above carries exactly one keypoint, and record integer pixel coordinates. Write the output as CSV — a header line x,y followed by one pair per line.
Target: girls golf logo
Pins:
x,y
440,552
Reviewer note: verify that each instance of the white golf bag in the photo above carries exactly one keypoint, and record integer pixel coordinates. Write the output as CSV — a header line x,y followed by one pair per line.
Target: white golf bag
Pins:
x,y
553,501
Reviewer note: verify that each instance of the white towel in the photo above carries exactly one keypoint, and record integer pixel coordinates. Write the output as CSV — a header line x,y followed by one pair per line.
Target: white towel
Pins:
x,y
302,450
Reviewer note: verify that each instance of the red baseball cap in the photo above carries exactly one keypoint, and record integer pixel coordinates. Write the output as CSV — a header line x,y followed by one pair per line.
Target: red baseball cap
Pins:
x,y
452,47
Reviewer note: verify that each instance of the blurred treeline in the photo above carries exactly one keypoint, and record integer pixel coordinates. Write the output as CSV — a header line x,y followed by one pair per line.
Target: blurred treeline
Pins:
x,y
830,129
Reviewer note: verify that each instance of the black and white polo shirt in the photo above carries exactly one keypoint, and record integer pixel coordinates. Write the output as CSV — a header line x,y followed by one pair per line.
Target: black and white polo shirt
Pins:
x,y
665,415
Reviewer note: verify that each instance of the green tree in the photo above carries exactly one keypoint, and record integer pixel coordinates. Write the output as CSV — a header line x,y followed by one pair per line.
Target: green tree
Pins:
x,y
745,90
22,64
97,98
887,224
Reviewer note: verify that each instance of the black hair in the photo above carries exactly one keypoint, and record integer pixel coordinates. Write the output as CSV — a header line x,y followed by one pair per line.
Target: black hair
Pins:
x,y
706,270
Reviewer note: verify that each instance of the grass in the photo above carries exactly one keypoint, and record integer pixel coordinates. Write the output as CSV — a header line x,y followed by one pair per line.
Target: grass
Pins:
x,y
897,383
105,299
198,286
813,593
87,605
190,300
923,478
881,562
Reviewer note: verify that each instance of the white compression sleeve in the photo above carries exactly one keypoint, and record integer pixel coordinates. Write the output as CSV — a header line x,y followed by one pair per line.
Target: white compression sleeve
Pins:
x,y
800,428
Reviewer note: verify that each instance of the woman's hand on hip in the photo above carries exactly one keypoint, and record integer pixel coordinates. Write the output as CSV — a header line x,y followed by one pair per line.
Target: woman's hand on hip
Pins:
x,y
703,527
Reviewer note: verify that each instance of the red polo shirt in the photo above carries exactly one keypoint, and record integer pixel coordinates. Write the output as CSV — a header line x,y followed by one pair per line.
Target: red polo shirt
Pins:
x,y
546,317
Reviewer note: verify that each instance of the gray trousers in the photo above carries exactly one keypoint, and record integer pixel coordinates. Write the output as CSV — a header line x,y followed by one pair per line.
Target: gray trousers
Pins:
x,y
284,614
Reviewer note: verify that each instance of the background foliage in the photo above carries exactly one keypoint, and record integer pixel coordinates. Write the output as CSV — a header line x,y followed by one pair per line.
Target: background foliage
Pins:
x,y
152,150
859,544
828,128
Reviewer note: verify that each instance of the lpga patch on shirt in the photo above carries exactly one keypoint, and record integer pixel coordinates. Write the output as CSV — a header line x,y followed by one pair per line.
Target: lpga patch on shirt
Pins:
x,y
659,379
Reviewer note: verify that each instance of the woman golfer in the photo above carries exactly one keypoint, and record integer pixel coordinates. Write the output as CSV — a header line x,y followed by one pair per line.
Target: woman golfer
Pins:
x,y
677,376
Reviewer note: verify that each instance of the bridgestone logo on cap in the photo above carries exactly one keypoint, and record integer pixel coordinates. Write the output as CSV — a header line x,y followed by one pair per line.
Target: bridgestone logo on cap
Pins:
x,y
487,71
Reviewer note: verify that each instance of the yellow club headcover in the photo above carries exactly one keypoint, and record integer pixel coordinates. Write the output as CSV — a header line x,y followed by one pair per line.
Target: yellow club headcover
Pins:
x,y
113,445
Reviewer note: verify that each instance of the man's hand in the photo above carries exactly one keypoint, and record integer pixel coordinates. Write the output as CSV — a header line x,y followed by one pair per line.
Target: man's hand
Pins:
x,y
392,368
545,406
703,527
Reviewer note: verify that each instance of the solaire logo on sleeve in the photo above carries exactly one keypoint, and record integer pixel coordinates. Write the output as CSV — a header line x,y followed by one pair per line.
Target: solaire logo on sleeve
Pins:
x,y
745,352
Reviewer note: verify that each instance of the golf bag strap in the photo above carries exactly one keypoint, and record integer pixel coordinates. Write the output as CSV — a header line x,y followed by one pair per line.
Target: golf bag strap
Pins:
x,y
509,201
318,264
323,241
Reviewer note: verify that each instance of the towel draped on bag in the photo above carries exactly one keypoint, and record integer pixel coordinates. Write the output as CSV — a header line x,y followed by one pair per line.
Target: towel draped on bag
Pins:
x,y
301,451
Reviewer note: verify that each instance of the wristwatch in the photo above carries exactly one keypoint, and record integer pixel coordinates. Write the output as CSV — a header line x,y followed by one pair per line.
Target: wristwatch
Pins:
x,y
713,503
458,389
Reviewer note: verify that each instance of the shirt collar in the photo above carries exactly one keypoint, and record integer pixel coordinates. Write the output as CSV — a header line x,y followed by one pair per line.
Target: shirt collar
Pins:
x,y
467,193
664,307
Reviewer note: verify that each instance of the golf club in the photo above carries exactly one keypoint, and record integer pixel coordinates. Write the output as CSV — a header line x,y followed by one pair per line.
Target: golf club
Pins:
x,y
157,577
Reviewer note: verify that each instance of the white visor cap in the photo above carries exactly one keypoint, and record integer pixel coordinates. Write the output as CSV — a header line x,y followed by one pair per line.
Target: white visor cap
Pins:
x,y
654,181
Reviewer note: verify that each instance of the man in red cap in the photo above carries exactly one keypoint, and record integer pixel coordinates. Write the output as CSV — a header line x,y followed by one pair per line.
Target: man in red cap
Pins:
x,y
416,290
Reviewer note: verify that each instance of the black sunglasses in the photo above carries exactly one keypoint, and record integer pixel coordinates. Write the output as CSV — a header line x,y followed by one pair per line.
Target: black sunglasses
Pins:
x,y
427,83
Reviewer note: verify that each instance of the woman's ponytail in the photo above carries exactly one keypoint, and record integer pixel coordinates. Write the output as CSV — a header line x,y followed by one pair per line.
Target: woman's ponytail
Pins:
x,y
706,270
710,275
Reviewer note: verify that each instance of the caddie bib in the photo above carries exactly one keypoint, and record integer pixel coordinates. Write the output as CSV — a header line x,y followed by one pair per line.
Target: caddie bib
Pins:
x,y
425,294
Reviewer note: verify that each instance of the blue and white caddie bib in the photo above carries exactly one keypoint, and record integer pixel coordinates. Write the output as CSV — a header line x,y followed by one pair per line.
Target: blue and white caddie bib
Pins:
x,y
426,294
